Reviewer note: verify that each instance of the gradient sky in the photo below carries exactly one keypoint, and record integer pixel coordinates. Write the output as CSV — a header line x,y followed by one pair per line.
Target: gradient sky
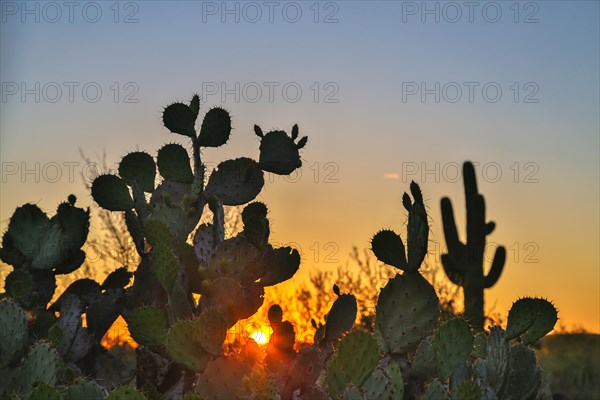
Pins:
x,y
363,149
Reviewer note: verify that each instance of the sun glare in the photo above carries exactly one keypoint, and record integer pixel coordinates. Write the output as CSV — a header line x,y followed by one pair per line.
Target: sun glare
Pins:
x,y
260,337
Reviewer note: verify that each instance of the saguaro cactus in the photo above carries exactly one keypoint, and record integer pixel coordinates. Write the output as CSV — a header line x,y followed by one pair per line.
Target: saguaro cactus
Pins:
x,y
464,262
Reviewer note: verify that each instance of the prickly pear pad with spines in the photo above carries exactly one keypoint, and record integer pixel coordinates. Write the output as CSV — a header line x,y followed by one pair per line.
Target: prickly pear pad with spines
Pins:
x,y
215,129
111,193
180,118
417,236
173,163
13,332
138,167
452,345
341,316
468,390
279,153
157,233
193,343
281,266
42,365
497,359
236,182
235,257
406,312
424,365
45,392
546,317
436,390
385,384
125,393
204,245
524,376
223,378
27,225
148,326
353,362
351,392
164,266
395,374
19,286
479,345
256,224
521,316
388,247
84,389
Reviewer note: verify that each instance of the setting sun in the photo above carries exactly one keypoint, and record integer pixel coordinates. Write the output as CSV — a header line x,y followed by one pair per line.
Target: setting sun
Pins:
x,y
260,337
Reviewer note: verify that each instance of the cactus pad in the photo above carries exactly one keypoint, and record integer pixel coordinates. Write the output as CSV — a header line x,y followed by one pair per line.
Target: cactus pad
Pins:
x,y
236,182
223,378
341,316
279,153
111,193
354,361
452,345
406,312
174,163
468,390
147,325
389,249
45,392
84,389
215,129
13,332
192,343
179,118
138,167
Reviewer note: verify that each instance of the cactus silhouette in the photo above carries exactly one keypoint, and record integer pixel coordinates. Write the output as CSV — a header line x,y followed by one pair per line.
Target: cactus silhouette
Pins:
x,y
464,262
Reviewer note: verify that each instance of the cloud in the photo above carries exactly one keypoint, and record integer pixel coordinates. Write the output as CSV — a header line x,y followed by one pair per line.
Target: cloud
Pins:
x,y
391,175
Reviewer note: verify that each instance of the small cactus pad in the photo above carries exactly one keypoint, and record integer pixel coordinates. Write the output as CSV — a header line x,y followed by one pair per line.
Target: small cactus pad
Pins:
x,y
179,118
147,325
157,233
236,182
19,286
389,249
27,225
545,320
530,318
436,390
83,389
125,393
165,266
385,384
468,390
281,266
192,343
424,365
42,365
111,193
215,129
340,318
524,377
418,234
452,345
174,163
13,332
497,358
138,167
204,246
45,392
406,312
279,153
354,361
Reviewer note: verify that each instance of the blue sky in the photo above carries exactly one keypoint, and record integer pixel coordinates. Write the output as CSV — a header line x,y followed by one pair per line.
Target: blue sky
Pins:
x,y
367,60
